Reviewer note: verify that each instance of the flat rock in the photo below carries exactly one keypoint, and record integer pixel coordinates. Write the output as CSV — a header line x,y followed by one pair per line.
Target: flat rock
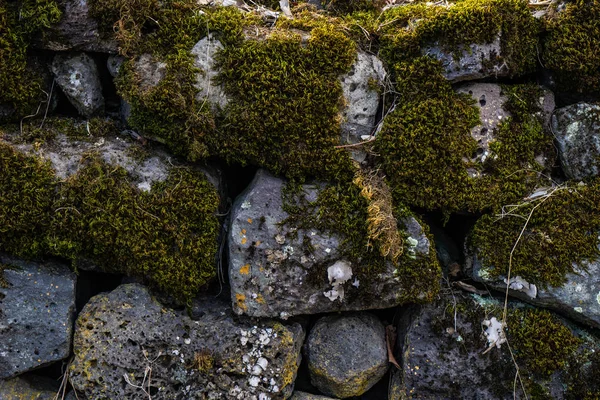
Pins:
x,y
37,307
271,276
577,131
121,334
77,30
347,354
28,388
77,76
204,59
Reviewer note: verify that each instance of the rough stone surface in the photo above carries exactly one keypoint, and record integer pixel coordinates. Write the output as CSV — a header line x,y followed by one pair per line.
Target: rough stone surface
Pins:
x,y
113,63
307,396
270,275
476,61
149,71
77,76
119,335
578,299
77,30
28,388
347,354
36,315
204,52
361,98
577,131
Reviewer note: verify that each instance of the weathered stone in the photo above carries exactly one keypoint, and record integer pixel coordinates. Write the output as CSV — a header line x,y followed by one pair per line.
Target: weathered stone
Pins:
x,y
28,388
204,52
113,63
307,396
271,276
578,298
577,131
37,306
121,335
77,30
77,76
442,350
361,99
149,71
347,354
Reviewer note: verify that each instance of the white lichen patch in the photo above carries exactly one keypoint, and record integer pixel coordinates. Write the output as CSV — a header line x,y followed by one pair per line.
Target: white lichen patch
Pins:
x,y
338,274
521,285
494,332
412,244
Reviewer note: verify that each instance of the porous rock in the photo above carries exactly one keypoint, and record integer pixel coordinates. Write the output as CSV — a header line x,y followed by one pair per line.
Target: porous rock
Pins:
x,y
270,274
347,354
307,396
77,76
37,306
77,30
577,131
28,388
204,59
119,335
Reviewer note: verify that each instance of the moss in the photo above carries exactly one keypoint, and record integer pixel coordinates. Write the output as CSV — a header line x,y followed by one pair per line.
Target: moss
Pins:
x,y
540,340
35,132
581,380
27,187
167,236
20,20
561,232
203,361
571,49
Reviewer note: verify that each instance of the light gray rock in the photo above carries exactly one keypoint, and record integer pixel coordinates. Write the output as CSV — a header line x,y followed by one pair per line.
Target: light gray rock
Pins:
x,y
577,131
204,59
37,306
307,396
121,334
578,298
150,71
271,274
347,354
361,98
77,30
28,388
77,76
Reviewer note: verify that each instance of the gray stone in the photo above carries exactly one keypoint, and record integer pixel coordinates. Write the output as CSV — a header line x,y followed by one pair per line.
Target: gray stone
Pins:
x,y
577,131
578,298
204,59
78,77
307,396
113,63
37,309
475,61
120,336
28,388
361,99
77,30
149,71
271,276
347,354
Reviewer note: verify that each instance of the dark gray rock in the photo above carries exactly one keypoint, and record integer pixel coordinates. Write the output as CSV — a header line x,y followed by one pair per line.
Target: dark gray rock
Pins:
x,y
77,76
347,354
271,276
113,63
28,388
77,30
577,131
37,309
307,396
120,336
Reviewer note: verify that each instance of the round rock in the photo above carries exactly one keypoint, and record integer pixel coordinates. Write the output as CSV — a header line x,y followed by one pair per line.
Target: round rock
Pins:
x,y
347,354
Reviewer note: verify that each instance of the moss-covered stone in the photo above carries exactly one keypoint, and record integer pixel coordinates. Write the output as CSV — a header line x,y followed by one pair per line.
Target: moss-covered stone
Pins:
x,y
571,48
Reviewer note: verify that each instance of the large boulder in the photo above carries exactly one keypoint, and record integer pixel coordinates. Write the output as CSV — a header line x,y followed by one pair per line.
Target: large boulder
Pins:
x,y
274,274
127,345
37,310
78,77
577,131
307,396
347,354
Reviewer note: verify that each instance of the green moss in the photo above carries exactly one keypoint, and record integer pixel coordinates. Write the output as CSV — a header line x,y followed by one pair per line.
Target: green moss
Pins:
x,y
562,231
35,132
571,49
167,236
27,187
20,20
540,340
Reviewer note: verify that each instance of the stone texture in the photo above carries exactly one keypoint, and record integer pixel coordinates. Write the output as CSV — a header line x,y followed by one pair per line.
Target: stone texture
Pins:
x,y
77,76
204,59
119,335
307,396
149,71
77,30
113,63
347,354
577,131
361,99
28,388
270,275
37,309
579,298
